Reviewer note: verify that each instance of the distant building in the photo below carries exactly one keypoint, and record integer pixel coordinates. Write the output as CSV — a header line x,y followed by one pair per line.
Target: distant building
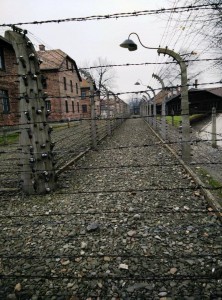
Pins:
x,y
113,107
134,106
201,101
87,88
61,80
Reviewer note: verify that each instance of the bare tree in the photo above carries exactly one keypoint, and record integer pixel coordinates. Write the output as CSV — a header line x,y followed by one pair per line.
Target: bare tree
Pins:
x,y
196,31
103,74
211,22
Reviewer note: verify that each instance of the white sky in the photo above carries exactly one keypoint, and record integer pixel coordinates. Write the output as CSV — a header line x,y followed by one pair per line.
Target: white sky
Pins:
x,y
88,40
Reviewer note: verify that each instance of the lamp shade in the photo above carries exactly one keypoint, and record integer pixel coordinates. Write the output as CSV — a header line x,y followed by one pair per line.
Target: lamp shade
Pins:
x,y
129,44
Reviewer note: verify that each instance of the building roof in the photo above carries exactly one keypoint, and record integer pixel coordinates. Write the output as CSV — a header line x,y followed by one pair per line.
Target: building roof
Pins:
x,y
85,84
217,91
53,60
5,41
193,92
160,96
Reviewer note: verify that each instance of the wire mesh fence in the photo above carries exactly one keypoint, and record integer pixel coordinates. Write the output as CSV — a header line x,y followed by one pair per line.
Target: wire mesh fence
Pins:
x,y
68,140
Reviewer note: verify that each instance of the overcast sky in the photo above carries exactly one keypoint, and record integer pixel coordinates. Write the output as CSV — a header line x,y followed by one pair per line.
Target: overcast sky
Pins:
x,y
88,40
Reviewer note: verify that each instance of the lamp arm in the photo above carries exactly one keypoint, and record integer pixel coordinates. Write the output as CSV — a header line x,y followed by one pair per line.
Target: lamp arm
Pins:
x,y
140,41
159,79
149,87
148,95
171,53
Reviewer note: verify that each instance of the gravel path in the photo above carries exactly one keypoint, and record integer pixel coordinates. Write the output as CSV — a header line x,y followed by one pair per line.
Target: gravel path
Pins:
x,y
126,222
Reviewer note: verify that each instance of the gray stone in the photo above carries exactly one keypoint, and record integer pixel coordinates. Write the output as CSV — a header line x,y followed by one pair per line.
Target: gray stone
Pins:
x,y
190,262
131,233
160,243
162,294
93,227
11,297
136,217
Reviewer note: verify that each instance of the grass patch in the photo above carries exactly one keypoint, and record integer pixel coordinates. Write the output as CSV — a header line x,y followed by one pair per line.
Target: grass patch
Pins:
x,y
197,117
175,120
9,138
210,181
62,126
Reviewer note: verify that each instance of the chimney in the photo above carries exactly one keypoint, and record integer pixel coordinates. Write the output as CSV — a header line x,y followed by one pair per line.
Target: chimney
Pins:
x,y
41,47
196,83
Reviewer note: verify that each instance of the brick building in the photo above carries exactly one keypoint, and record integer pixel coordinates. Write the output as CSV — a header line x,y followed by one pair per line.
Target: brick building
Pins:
x,y
9,87
68,94
114,107
86,88
61,80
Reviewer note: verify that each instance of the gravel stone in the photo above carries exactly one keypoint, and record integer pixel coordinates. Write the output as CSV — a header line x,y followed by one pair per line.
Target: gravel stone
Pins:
x,y
123,205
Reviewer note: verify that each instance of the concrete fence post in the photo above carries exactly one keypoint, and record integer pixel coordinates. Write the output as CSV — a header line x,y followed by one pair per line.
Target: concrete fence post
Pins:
x,y
109,131
163,107
153,108
214,128
36,158
150,113
93,122
186,147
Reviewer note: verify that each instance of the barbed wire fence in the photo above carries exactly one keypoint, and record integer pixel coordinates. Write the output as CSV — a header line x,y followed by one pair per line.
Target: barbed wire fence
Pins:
x,y
87,260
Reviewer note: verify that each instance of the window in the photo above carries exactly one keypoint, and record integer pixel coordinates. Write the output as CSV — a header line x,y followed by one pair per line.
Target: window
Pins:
x,y
64,82
71,87
44,81
83,94
78,106
2,61
77,88
67,64
67,106
48,105
73,108
5,102
84,108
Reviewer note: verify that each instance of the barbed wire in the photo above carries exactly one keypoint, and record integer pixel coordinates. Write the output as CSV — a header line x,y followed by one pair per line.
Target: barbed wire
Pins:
x,y
115,277
168,210
117,148
114,232
131,190
75,97
151,63
140,166
81,120
111,255
123,65
213,6
182,229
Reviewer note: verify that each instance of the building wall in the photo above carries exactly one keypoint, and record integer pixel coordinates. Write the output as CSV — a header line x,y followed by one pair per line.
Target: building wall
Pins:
x,y
64,98
85,101
72,93
9,83
97,105
53,92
